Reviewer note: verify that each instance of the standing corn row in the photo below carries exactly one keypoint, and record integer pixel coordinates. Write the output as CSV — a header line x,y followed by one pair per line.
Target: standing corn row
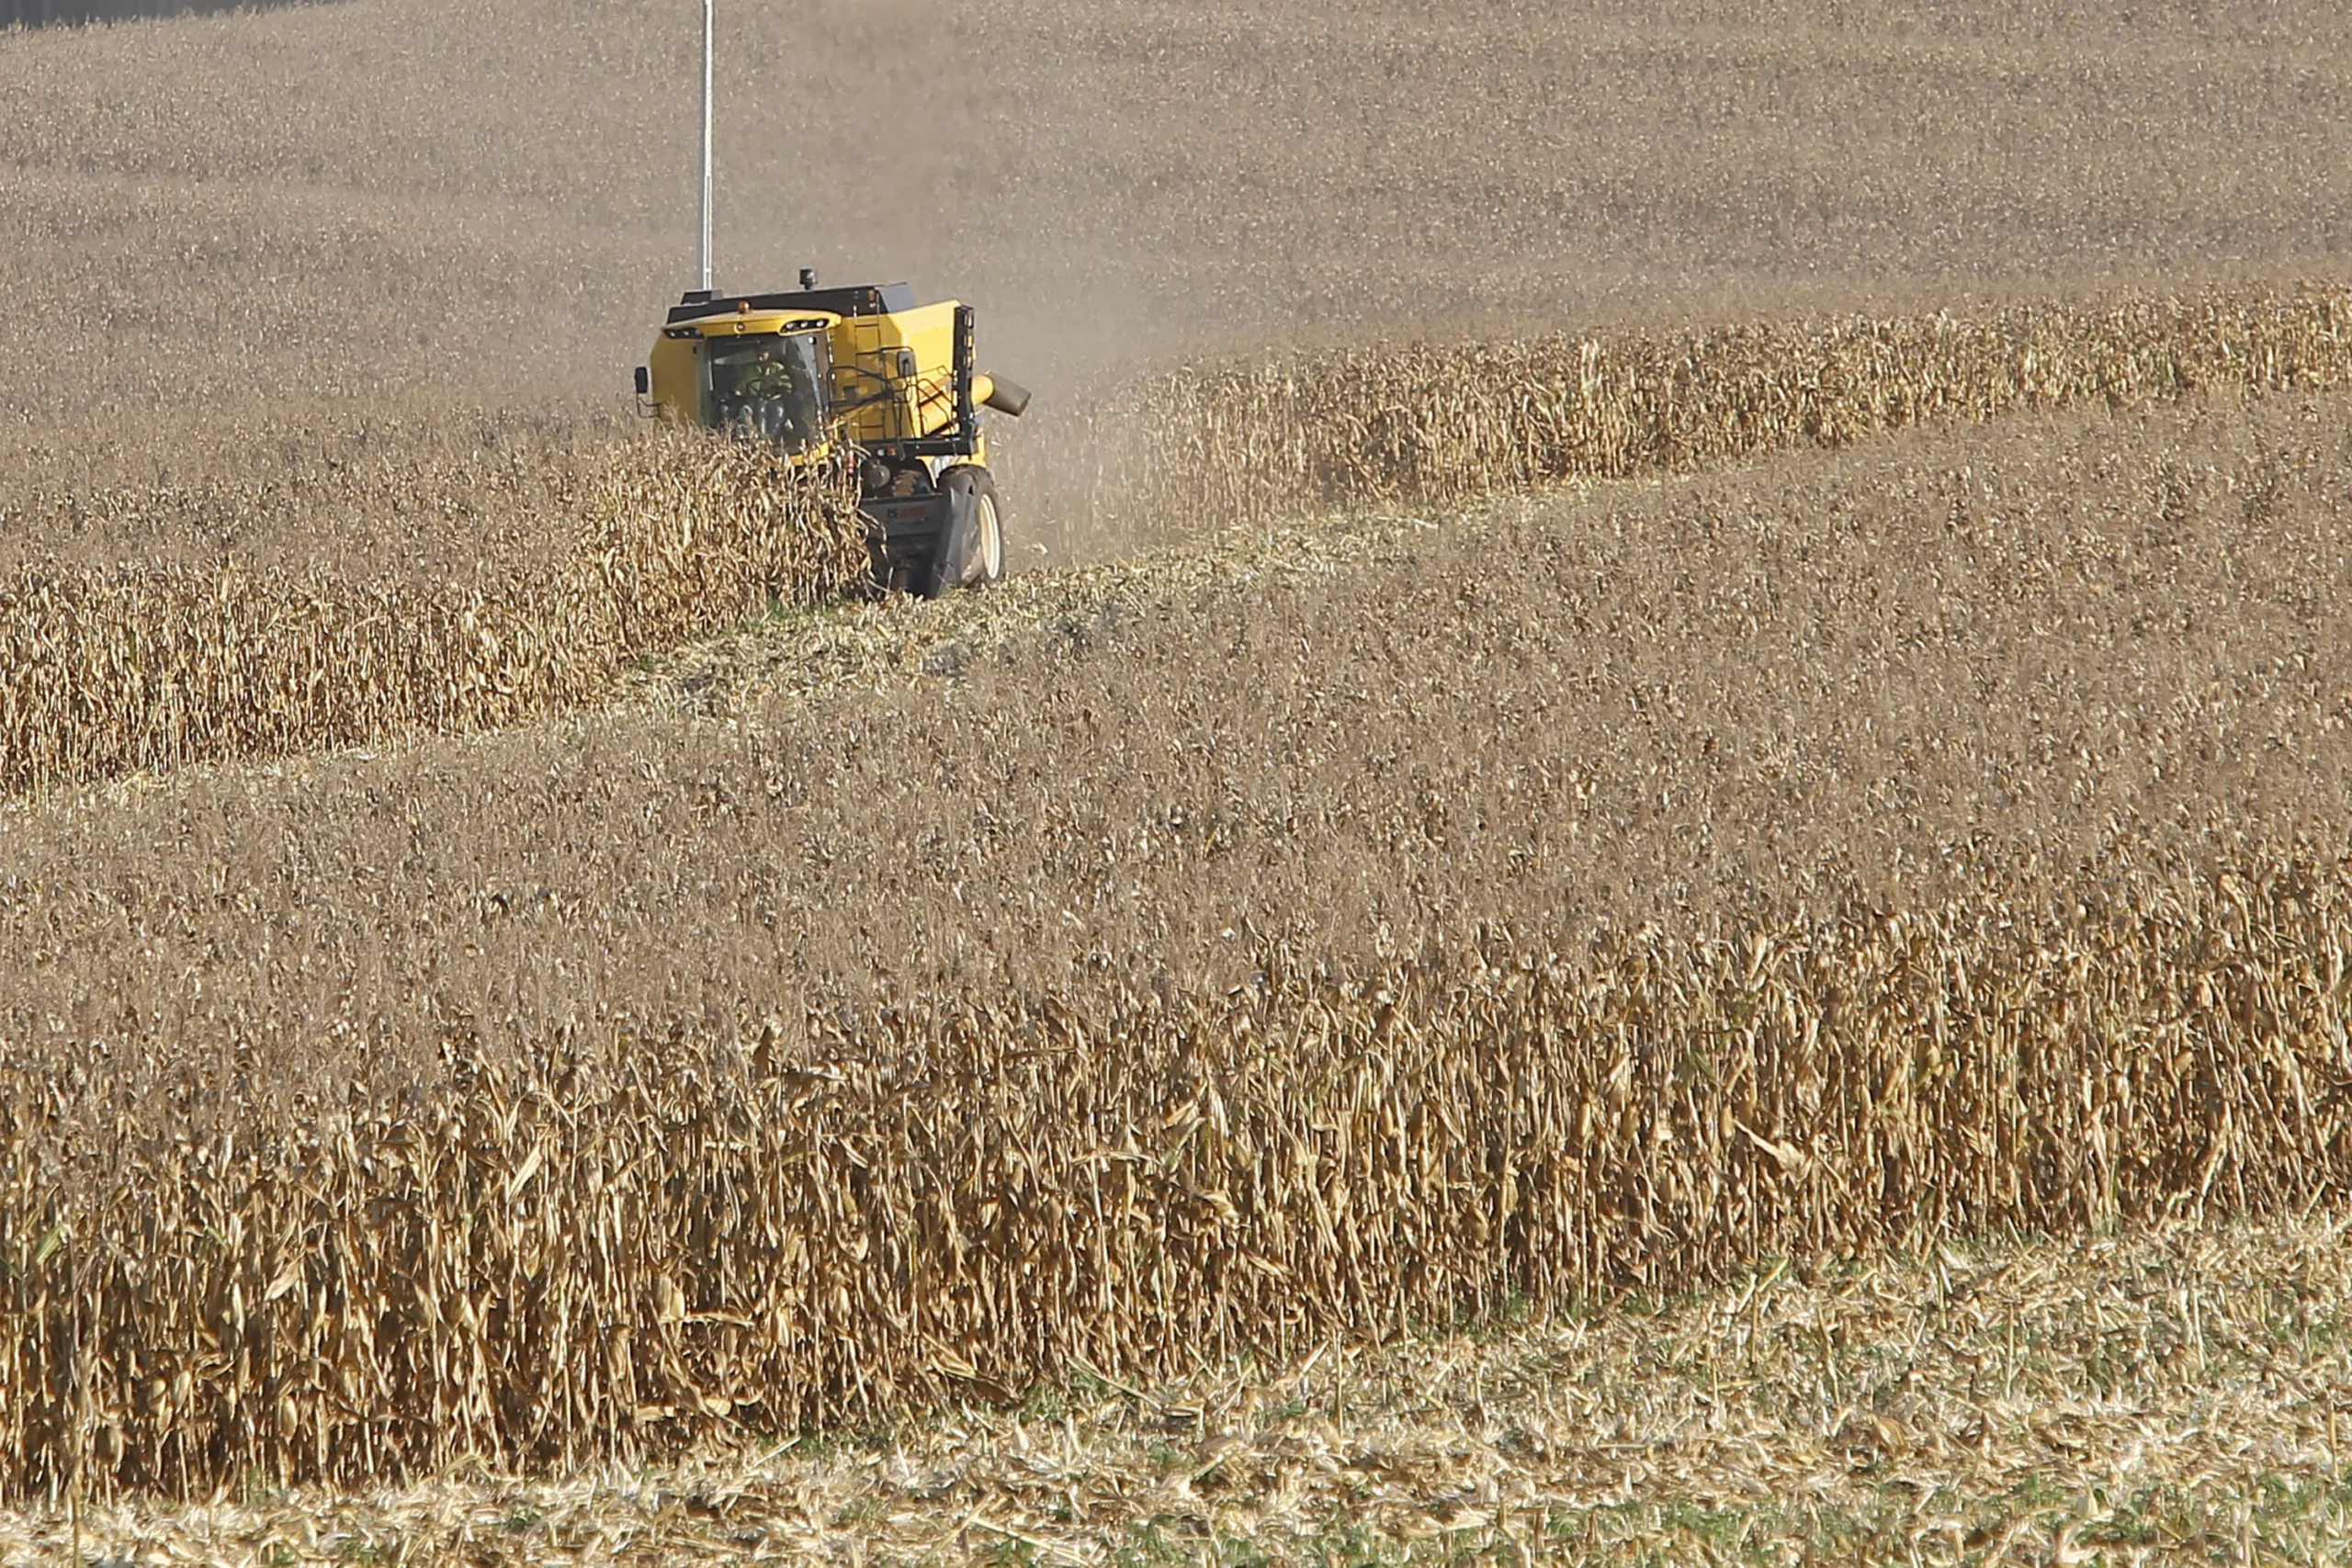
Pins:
x,y
619,1248
1440,423
107,671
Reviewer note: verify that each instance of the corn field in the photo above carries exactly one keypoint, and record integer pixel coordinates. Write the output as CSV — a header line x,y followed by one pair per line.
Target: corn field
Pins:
x,y
542,1262
1442,422
634,1227
109,670
1598,894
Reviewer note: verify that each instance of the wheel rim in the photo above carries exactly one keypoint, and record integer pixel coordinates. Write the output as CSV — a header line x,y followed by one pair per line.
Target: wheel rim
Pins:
x,y
989,558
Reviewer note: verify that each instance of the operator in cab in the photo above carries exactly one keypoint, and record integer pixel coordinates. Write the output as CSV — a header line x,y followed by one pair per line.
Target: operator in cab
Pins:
x,y
767,387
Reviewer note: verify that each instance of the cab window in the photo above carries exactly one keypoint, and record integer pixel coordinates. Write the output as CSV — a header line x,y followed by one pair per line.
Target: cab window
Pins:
x,y
769,386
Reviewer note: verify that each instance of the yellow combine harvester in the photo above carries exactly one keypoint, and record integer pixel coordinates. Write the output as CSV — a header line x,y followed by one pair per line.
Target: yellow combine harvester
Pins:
x,y
861,375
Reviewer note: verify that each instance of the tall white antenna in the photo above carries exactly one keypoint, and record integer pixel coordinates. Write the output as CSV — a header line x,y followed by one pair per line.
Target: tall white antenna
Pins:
x,y
707,25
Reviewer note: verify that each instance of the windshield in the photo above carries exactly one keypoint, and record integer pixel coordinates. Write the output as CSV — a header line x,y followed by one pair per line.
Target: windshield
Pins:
x,y
765,386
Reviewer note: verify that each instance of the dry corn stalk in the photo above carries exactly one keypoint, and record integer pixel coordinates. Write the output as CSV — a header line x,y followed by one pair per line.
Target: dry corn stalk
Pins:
x,y
109,671
1444,421
550,1261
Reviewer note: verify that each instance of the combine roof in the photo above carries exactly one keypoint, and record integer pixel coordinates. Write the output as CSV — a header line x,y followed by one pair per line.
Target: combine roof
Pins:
x,y
858,299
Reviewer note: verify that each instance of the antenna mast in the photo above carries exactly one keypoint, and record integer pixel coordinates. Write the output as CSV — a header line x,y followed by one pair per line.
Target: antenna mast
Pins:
x,y
707,25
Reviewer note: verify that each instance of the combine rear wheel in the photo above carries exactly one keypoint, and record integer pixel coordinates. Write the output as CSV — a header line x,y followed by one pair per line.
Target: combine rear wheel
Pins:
x,y
971,545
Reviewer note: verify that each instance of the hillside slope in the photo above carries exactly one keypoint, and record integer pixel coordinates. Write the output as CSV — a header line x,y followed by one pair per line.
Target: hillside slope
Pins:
x,y
233,239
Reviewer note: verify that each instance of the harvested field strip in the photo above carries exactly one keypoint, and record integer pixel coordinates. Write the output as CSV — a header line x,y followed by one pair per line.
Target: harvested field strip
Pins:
x,y
110,670
2172,1392
692,1232
1440,423
897,643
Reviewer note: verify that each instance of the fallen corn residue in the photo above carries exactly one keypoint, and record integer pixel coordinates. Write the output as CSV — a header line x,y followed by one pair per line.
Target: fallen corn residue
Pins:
x,y
879,645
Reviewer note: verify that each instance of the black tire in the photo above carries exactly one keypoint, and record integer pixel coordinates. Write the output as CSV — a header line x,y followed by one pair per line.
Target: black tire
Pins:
x,y
971,541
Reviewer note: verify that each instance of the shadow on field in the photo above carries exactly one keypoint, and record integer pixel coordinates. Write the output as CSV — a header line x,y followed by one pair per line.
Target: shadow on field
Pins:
x,y
79,13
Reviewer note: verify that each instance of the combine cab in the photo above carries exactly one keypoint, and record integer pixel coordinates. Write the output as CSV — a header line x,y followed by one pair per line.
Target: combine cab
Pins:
x,y
862,376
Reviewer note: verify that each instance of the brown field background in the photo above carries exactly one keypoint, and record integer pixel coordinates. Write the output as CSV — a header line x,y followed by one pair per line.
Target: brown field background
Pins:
x,y
339,229
1940,835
